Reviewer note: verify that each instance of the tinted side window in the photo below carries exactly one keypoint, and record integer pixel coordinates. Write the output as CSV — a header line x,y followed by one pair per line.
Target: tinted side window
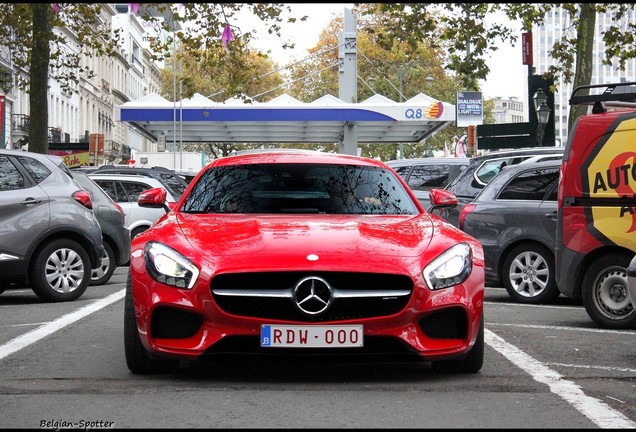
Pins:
x,y
173,182
530,185
465,183
134,189
10,177
37,170
403,171
109,188
425,177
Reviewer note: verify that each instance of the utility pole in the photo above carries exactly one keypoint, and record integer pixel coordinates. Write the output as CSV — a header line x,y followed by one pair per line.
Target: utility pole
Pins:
x,y
348,79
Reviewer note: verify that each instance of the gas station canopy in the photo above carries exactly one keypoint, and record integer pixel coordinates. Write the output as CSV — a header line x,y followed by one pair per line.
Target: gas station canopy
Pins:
x,y
286,119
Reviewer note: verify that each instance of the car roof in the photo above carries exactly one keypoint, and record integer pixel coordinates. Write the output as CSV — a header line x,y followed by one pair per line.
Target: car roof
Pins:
x,y
429,161
520,151
41,156
293,156
118,176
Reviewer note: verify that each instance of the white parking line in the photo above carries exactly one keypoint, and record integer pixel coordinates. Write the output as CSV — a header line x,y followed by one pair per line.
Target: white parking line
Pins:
x,y
600,413
35,335
560,328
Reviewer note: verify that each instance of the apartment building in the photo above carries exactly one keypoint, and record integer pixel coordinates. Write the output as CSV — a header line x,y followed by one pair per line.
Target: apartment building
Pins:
x,y
86,115
557,24
509,110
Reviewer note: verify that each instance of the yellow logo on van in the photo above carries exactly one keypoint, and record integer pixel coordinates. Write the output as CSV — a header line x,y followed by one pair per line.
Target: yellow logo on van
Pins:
x,y
611,173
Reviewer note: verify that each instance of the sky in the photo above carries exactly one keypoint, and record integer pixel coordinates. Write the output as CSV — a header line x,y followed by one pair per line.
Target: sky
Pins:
x,y
508,76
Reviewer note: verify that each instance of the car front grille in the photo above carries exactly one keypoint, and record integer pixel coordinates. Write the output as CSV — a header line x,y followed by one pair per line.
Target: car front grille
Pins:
x,y
271,295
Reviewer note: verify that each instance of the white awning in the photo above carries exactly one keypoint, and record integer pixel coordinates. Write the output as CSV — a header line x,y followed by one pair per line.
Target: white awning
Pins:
x,y
286,119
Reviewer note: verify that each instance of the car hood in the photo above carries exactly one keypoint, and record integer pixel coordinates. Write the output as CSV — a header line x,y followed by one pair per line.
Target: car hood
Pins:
x,y
340,237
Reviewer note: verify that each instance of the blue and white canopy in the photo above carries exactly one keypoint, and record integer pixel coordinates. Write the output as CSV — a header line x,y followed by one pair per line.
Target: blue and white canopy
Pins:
x,y
286,119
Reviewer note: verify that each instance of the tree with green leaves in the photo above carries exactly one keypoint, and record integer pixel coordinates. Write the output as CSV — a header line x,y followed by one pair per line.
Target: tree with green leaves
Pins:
x,y
397,70
468,34
37,36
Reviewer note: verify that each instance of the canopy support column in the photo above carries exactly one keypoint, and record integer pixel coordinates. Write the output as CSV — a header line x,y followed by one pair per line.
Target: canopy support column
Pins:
x,y
349,144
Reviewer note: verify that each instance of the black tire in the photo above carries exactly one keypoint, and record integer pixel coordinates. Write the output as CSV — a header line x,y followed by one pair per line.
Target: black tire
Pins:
x,y
106,268
604,292
60,271
137,231
137,358
471,362
528,274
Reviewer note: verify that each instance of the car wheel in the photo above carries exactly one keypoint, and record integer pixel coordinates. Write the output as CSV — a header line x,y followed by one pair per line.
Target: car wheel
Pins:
x,y
604,292
528,274
60,271
471,363
103,273
137,231
137,358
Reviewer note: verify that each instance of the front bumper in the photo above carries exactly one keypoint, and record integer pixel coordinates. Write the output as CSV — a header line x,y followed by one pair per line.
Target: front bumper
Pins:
x,y
191,324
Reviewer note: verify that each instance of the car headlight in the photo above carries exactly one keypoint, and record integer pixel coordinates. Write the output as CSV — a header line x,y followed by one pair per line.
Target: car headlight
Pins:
x,y
450,268
169,267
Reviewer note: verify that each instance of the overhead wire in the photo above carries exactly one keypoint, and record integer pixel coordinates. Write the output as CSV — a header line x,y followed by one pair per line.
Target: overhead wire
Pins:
x,y
382,74
289,66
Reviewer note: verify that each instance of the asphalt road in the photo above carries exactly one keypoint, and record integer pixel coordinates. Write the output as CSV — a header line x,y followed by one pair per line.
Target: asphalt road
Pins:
x,y
62,366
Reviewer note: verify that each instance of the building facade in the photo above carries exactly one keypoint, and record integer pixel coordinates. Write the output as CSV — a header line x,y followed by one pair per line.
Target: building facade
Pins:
x,y
557,24
84,117
509,110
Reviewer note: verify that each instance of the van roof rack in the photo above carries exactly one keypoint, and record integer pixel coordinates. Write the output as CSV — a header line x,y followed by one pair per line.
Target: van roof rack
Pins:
x,y
622,94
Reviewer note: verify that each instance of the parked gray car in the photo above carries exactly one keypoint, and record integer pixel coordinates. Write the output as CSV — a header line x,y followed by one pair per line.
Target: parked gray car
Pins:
x,y
49,237
423,174
514,218
484,168
116,236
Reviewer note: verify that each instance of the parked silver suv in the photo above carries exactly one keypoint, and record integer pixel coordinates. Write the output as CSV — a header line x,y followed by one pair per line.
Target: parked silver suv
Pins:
x,y
49,236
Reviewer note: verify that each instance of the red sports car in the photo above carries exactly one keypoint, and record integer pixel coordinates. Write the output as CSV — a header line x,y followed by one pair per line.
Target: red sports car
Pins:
x,y
302,252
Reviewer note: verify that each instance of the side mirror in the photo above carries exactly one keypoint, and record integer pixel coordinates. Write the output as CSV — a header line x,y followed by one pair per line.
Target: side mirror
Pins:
x,y
442,198
153,198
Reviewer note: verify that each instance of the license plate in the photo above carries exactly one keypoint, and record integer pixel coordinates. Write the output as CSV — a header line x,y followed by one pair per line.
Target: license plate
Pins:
x,y
311,336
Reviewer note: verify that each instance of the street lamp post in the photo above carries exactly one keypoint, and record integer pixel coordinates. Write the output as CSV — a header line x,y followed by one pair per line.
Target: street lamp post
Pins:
x,y
540,100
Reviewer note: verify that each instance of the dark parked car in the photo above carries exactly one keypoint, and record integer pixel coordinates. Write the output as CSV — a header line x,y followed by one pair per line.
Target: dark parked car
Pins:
x,y
484,168
50,238
115,235
514,218
423,174
302,253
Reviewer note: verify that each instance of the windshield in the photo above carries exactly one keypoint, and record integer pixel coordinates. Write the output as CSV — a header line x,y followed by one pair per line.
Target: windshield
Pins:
x,y
299,188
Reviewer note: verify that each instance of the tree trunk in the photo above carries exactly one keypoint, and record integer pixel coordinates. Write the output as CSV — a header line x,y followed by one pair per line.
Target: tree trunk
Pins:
x,y
584,57
40,56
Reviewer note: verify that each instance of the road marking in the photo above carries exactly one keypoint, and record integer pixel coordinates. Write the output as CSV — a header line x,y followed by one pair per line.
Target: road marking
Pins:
x,y
35,335
598,412
542,327
606,368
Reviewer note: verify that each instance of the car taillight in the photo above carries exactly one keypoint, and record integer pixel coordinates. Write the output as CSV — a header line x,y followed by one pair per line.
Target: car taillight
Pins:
x,y
564,166
121,210
462,216
84,198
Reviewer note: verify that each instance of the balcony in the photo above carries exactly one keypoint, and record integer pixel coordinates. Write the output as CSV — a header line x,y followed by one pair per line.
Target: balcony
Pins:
x,y
55,135
21,122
